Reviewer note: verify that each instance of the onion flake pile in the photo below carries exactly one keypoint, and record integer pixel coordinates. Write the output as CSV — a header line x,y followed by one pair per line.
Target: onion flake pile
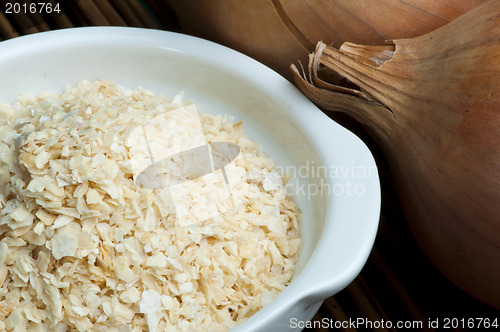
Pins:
x,y
75,252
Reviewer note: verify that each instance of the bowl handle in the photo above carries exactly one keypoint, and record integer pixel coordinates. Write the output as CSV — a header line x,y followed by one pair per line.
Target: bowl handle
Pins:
x,y
346,242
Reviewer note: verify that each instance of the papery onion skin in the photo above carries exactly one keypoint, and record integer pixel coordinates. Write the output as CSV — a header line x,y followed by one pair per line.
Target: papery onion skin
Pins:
x,y
278,32
440,132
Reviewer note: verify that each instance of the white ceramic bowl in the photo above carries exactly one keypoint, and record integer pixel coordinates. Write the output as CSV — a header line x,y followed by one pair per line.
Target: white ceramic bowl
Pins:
x,y
338,227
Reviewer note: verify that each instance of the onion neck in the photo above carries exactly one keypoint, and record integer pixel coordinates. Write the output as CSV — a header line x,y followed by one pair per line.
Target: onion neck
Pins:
x,y
374,116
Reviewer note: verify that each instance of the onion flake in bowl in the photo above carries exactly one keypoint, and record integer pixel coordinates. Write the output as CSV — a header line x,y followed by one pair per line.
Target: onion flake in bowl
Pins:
x,y
85,246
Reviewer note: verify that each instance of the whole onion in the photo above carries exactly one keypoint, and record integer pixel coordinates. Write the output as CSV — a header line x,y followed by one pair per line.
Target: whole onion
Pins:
x,y
433,105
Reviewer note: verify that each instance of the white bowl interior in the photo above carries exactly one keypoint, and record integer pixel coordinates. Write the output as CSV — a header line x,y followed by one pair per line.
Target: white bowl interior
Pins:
x,y
220,81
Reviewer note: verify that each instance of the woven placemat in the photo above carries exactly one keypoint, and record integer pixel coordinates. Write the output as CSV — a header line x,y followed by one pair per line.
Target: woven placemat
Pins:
x,y
397,284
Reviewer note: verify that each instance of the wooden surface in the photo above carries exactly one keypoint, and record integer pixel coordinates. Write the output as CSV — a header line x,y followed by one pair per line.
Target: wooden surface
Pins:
x,y
397,283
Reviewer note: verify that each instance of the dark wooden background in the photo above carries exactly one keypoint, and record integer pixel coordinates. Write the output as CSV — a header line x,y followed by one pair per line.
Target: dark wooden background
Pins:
x,y
398,283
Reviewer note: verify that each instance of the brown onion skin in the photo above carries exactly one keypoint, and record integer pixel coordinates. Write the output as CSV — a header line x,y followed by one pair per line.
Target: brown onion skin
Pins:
x,y
278,32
